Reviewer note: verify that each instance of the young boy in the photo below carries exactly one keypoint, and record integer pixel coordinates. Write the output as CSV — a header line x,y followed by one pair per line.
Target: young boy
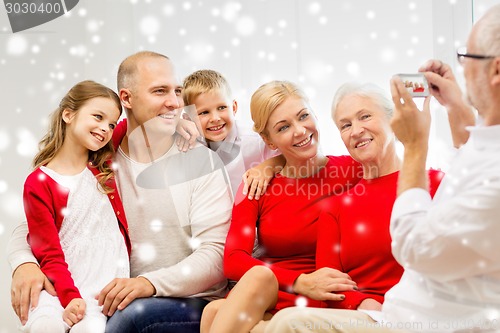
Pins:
x,y
239,148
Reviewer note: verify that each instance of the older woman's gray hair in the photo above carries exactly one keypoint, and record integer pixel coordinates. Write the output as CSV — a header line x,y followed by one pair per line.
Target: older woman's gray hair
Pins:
x,y
368,90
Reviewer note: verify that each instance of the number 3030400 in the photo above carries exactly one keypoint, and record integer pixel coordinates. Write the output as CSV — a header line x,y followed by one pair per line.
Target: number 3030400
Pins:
x,y
33,8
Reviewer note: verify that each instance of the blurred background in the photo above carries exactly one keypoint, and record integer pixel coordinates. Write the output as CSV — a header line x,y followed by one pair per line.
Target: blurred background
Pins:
x,y
319,44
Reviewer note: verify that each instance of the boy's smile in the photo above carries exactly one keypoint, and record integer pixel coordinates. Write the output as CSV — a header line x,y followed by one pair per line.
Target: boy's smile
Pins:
x,y
214,115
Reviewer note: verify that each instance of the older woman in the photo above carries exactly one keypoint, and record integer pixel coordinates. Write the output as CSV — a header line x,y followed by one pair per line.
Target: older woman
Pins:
x,y
285,216
353,232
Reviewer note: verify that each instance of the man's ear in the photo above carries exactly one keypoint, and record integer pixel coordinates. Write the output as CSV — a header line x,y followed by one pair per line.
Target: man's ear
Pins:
x,y
268,142
495,80
125,98
235,107
67,115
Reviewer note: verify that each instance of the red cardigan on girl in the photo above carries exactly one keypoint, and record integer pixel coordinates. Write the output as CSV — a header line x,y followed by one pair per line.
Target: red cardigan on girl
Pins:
x,y
45,199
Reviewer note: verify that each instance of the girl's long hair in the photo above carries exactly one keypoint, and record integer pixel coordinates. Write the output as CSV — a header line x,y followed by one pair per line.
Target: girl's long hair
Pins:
x,y
52,142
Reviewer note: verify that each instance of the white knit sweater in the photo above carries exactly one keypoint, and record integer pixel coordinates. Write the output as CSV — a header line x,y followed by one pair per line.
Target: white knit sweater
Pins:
x,y
178,214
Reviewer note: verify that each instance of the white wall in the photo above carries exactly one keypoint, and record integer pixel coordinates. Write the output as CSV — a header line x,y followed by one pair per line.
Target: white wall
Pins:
x,y
319,44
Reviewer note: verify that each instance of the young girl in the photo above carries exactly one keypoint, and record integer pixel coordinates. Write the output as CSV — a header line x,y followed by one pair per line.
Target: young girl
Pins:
x,y
78,236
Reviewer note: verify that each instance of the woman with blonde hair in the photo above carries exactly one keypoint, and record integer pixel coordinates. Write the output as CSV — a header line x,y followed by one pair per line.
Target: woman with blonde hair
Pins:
x,y
283,273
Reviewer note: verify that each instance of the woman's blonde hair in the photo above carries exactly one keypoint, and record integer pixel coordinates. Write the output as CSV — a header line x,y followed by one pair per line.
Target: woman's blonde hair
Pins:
x,y
52,142
267,98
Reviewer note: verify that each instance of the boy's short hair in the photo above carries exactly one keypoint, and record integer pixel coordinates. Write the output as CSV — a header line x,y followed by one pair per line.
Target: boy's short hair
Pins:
x,y
204,81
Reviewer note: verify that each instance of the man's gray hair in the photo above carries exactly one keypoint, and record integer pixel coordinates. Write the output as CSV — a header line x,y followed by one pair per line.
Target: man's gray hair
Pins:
x,y
488,32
